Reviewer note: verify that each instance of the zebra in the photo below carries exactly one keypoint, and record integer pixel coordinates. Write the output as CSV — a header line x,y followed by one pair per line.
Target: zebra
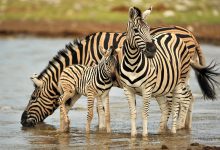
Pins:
x,y
196,54
93,82
152,73
44,100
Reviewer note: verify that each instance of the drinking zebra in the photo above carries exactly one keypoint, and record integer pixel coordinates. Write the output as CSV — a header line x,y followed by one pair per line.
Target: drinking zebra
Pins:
x,y
93,82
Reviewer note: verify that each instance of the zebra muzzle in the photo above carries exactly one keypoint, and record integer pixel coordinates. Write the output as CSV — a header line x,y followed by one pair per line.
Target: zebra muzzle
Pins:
x,y
25,121
151,49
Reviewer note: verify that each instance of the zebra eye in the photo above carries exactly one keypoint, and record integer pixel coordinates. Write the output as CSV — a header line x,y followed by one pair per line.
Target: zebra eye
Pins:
x,y
33,97
136,30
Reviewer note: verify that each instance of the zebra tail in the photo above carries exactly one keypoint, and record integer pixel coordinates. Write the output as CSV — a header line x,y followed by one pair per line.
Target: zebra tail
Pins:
x,y
198,49
206,78
200,55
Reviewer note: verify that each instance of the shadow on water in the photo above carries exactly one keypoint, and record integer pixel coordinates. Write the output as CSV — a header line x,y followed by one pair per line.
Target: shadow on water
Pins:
x,y
45,135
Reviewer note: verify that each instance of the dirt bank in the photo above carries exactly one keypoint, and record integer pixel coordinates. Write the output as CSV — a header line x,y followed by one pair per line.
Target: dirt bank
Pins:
x,y
204,33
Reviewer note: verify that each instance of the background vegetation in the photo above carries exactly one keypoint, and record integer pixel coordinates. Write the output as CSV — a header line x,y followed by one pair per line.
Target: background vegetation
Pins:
x,y
164,11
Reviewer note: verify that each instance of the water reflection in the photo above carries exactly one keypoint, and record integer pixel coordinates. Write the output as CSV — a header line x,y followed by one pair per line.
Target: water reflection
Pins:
x,y
46,134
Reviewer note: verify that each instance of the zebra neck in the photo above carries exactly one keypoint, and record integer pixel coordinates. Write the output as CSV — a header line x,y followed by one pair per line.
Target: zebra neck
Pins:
x,y
51,74
131,52
132,56
103,73
50,87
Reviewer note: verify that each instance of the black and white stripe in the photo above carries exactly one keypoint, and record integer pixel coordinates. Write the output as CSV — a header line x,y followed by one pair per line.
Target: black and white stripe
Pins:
x,y
143,71
93,82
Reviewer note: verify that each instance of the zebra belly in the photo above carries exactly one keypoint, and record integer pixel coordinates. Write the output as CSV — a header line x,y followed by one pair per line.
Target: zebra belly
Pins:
x,y
96,93
136,90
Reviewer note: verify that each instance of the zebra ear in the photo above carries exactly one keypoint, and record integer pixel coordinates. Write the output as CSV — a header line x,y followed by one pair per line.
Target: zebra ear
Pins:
x,y
147,12
131,13
118,50
111,49
36,81
101,49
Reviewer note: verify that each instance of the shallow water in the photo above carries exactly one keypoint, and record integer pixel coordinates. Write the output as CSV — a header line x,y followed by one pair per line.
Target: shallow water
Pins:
x,y
21,57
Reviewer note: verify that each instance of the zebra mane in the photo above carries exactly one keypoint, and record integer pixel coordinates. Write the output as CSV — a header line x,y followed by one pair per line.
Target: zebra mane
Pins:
x,y
71,46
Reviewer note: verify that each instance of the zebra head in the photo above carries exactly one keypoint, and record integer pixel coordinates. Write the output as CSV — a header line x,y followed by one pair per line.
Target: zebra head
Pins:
x,y
39,107
110,60
138,33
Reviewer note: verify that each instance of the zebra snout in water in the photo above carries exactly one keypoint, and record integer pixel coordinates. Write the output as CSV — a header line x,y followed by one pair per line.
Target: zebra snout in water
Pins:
x,y
25,121
151,49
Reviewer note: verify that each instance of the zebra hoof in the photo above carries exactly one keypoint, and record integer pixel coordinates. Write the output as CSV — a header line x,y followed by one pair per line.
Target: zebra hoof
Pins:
x,y
87,129
134,134
163,130
188,127
109,130
144,135
101,127
180,127
64,130
173,131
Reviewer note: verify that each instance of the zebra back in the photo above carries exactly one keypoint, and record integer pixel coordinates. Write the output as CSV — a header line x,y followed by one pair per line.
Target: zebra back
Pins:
x,y
187,36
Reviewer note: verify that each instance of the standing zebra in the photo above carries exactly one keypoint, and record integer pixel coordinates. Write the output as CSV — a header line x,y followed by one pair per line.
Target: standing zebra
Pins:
x,y
142,72
44,99
93,82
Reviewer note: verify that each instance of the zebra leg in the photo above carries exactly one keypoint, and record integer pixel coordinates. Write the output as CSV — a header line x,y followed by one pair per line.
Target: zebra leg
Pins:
x,y
164,108
64,120
169,98
175,106
90,111
101,113
145,108
188,122
67,107
184,105
131,102
107,112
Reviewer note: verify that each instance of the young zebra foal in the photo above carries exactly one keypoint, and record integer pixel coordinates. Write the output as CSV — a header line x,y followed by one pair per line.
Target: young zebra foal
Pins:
x,y
93,82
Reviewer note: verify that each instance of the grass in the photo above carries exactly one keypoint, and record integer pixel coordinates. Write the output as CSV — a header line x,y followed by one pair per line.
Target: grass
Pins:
x,y
201,11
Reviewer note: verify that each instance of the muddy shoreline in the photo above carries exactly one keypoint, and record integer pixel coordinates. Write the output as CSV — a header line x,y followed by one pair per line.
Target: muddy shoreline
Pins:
x,y
203,32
